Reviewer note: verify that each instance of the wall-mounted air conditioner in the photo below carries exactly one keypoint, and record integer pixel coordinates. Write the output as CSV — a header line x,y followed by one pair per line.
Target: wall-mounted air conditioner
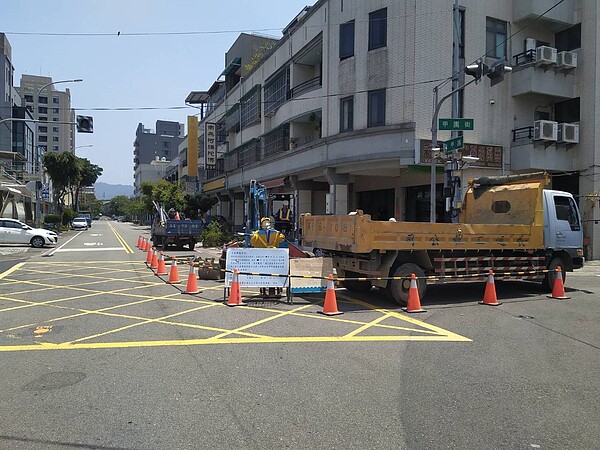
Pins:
x,y
566,60
545,55
530,44
568,133
545,130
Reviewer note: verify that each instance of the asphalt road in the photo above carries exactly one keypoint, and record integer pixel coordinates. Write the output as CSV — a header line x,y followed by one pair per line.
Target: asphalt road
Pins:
x,y
98,352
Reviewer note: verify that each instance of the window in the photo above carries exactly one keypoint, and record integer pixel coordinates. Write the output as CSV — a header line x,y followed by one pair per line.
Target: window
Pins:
x,y
461,27
54,138
43,110
347,40
495,40
43,129
55,129
43,119
55,110
567,111
569,39
55,119
29,98
166,144
43,100
346,114
378,29
55,100
55,148
43,138
566,210
376,108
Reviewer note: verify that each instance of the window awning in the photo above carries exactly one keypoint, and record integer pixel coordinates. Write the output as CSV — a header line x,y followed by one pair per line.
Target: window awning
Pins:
x,y
233,66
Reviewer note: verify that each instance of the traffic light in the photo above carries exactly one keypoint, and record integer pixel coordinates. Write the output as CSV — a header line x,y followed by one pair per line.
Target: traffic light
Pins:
x,y
477,69
497,71
85,124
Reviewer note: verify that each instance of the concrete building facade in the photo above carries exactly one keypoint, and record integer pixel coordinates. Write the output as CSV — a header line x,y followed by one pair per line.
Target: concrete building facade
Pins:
x,y
161,143
339,112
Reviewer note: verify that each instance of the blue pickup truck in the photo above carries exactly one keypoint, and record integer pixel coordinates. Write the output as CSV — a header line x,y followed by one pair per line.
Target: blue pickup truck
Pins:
x,y
179,233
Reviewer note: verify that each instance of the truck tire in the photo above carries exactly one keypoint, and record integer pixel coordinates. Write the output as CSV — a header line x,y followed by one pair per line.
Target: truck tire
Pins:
x,y
397,290
355,285
548,281
192,244
158,241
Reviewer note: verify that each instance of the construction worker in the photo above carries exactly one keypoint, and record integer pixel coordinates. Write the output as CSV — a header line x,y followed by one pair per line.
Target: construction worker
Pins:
x,y
266,237
284,219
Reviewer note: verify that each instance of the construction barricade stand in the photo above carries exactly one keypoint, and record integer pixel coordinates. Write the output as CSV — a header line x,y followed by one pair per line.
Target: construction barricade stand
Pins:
x,y
265,268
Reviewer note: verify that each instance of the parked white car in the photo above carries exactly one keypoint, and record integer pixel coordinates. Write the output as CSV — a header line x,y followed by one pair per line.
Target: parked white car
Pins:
x,y
13,231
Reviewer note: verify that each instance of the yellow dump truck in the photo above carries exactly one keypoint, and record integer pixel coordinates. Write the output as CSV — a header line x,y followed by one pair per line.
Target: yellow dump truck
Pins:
x,y
510,224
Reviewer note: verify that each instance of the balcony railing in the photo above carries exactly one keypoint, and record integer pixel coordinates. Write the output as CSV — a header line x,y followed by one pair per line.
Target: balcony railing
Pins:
x,y
276,141
522,133
308,85
524,57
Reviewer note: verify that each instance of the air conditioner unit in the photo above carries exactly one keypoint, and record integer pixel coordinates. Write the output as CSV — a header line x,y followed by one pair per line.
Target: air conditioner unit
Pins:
x,y
568,133
545,55
545,130
566,60
530,44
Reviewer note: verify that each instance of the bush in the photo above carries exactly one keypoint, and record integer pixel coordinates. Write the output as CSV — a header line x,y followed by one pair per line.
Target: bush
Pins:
x,y
213,235
52,219
67,216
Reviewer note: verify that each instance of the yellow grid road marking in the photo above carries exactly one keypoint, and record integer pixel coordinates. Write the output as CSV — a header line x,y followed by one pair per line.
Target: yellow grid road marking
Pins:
x,y
425,331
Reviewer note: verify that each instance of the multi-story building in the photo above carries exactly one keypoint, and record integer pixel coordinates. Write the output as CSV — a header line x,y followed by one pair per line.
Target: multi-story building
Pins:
x,y
52,108
154,150
339,112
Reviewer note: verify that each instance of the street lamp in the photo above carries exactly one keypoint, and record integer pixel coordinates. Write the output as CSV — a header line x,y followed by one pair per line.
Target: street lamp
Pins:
x,y
37,146
83,146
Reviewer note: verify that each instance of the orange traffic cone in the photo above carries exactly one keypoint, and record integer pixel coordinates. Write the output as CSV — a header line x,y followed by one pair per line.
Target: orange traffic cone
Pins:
x,y
330,304
139,242
162,268
235,294
149,257
414,301
489,296
154,262
177,216
558,289
192,281
146,244
174,272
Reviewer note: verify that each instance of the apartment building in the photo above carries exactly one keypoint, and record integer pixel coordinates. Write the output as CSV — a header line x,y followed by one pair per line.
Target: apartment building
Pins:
x,y
153,151
339,111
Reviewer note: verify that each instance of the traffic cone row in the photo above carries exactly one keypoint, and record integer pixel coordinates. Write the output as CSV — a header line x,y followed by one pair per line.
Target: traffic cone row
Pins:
x,y
139,242
149,254
154,261
489,295
558,288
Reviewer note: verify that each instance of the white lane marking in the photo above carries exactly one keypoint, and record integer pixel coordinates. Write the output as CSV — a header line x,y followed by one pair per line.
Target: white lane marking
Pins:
x,y
53,250
96,234
103,249
99,244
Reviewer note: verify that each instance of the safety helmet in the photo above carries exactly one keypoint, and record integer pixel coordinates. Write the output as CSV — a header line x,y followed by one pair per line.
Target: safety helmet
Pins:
x,y
265,222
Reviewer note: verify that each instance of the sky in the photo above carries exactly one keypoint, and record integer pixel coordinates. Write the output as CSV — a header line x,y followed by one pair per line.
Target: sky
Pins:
x,y
122,71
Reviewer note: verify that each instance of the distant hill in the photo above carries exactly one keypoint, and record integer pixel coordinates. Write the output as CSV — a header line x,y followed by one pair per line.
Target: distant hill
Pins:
x,y
105,191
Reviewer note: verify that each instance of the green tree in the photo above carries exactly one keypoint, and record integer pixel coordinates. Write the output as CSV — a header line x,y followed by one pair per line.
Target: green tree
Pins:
x,y
118,205
88,176
64,169
197,204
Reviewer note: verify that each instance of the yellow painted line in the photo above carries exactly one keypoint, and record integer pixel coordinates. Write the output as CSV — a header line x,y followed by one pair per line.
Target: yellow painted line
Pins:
x,y
11,270
259,322
126,246
367,326
212,341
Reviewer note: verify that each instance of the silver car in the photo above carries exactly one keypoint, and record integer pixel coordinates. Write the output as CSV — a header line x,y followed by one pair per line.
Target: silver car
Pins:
x,y
13,231
79,223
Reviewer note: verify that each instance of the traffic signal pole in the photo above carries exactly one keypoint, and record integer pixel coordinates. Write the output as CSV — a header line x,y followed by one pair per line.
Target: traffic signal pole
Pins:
x,y
434,142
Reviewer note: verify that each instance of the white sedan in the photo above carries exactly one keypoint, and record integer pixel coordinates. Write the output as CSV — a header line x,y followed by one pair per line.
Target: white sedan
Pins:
x,y
79,223
13,231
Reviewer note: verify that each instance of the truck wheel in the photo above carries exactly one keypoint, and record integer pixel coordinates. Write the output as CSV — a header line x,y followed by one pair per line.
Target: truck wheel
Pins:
x,y
192,245
158,241
548,281
397,290
355,285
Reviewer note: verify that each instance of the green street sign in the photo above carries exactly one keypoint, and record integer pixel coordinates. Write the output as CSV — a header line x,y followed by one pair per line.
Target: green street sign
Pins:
x,y
454,144
455,124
